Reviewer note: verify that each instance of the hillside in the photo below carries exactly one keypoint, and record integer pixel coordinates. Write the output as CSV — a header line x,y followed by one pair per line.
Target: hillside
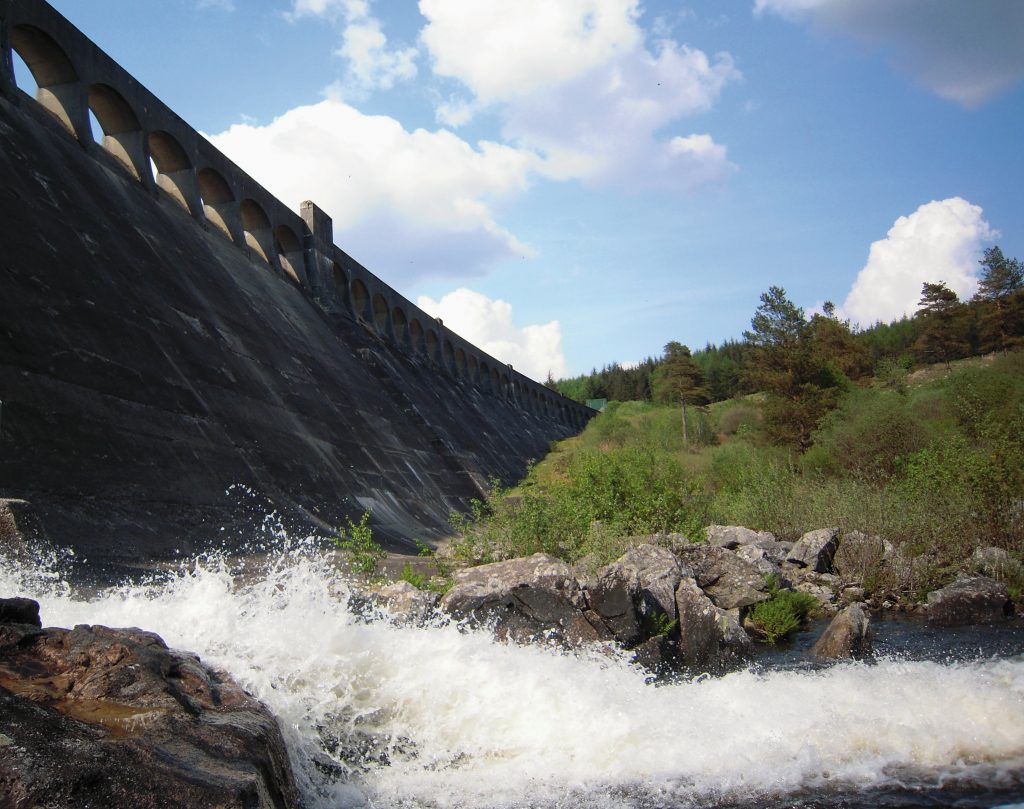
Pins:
x,y
933,462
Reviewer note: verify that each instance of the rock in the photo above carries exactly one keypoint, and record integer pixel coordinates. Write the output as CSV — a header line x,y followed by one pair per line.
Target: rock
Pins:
x,y
406,603
630,592
847,635
852,594
758,557
733,536
820,585
19,611
969,600
650,574
727,579
815,550
709,638
112,717
776,551
525,597
657,654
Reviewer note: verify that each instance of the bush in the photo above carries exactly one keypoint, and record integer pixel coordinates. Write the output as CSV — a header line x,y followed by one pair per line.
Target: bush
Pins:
x,y
869,436
781,614
358,542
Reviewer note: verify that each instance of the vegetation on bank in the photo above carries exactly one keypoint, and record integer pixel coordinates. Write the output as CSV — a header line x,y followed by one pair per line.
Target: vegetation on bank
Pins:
x,y
841,432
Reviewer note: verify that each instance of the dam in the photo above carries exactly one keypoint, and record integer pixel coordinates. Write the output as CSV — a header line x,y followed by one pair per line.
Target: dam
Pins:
x,y
181,354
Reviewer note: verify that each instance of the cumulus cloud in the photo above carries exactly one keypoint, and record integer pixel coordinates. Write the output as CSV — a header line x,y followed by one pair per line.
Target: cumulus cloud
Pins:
x,y
940,241
407,204
966,52
372,65
533,350
576,81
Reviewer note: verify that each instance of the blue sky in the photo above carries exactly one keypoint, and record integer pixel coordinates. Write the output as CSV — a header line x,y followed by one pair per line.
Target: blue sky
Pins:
x,y
574,182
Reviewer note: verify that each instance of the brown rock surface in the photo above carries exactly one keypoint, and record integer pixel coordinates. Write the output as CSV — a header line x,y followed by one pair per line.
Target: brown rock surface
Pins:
x,y
95,717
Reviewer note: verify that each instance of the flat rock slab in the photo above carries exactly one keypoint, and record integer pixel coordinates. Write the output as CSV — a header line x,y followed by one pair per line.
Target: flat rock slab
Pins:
x,y
971,600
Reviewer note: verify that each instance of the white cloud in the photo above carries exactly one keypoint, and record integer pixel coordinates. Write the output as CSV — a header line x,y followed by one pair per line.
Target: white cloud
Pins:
x,y
533,350
966,52
406,204
371,64
575,81
940,241
302,8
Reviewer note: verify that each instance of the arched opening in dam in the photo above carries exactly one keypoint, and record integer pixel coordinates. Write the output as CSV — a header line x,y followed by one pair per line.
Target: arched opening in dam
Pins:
x,y
217,199
121,130
54,78
173,169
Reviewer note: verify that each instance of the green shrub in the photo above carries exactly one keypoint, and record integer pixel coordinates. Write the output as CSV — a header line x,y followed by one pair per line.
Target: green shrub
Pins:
x,y
781,614
869,436
358,542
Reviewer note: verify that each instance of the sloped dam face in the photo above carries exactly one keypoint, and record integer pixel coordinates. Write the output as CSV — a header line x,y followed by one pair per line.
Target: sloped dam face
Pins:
x,y
178,356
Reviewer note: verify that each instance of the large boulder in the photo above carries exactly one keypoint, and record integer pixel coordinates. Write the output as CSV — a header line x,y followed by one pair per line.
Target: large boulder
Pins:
x,y
815,550
848,635
709,637
111,717
728,580
970,600
524,598
632,591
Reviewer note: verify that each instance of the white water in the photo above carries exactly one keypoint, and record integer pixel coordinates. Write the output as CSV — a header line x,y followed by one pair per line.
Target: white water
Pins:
x,y
467,722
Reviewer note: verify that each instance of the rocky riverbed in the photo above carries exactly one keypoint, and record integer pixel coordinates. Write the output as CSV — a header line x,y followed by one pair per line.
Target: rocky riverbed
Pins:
x,y
328,705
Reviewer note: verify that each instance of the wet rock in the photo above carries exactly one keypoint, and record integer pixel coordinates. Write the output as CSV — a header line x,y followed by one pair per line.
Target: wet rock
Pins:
x,y
970,600
732,537
112,717
816,550
709,637
19,611
406,603
728,580
525,597
657,654
847,636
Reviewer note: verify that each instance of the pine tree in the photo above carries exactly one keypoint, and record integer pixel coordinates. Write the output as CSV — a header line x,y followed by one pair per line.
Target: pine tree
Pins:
x,y
679,379
943,337
1001,281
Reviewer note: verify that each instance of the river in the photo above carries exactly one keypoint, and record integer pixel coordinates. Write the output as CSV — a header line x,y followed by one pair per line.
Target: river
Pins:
x,y
438,716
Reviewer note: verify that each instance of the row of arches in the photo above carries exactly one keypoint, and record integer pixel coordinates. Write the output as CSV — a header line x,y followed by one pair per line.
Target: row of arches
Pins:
x,y
167,156
96,112
422,336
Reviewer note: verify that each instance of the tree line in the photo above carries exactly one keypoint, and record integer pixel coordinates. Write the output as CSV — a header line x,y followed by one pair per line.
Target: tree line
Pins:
x,y
803,365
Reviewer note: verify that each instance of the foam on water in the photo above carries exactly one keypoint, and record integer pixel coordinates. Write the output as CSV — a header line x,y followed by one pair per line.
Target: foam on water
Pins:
x,y
438,716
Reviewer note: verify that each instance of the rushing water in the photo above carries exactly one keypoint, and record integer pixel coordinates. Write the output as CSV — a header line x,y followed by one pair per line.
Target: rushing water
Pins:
x,y
400,716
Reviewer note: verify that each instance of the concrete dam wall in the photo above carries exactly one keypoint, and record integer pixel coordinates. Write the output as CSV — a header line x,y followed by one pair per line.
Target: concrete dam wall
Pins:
x,y
180,352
